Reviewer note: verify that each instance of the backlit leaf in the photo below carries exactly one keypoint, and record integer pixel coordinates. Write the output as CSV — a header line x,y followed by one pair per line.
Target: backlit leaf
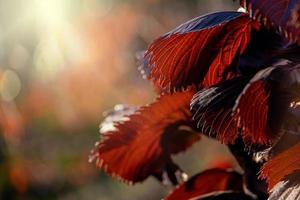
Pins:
x,y
282,14
282,165
213,180
141,143
198,52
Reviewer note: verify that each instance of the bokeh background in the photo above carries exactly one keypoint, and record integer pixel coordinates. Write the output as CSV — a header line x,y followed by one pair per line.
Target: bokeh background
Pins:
x,y
62,64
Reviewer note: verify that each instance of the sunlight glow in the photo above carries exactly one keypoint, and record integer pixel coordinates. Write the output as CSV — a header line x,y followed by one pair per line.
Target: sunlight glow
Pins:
x,y
51,13
58,39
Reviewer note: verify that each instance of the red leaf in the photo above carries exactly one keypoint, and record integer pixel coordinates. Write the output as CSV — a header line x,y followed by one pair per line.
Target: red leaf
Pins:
x,y
257,108
262,107
251,110
220,125
282,165
251,113
141,145
212,108
283,14
199,51
288,189
213,180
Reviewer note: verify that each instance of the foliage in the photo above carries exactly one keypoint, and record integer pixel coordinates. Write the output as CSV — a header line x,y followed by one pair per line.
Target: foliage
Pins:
x,y
239,72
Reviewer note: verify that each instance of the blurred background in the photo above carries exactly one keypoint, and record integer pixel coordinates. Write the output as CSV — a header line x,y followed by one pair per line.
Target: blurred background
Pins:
x,y
62,64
